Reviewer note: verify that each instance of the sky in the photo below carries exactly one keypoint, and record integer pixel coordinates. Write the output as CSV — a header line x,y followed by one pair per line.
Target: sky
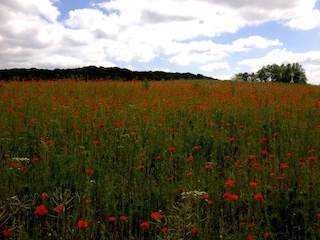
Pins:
x,y
216,38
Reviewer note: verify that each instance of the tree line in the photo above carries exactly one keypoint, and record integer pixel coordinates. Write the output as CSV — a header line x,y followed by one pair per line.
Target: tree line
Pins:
x,y
289,73
93,73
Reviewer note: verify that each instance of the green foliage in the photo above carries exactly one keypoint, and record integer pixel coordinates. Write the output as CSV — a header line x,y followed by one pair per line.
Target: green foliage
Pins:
x,y
289,73
92,73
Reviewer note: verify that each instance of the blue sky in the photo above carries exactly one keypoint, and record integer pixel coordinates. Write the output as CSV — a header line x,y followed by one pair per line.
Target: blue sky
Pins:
x,y
217,38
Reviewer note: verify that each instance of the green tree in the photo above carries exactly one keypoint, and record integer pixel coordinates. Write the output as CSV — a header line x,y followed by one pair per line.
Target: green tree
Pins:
x,y
289,73
247,77
298,74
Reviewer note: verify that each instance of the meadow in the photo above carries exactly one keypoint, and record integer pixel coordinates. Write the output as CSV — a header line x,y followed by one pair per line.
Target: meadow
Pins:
x,y
159,160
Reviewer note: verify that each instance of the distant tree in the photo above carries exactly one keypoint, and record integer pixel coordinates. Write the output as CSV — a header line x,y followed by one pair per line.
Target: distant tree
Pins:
x,y
247,77
298,74
290,73
93,73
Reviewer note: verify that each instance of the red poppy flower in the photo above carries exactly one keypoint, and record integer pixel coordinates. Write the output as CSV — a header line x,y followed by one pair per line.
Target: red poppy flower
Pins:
x,y
253,184
190,158
145,225
265,235
89,172
164,230
15,165
44,196
311,158
231,197
259,197
156,215
112,219
189,174
171,149
116,124
82,224
226,195
170,179
24,168
312,151
41,210
196,148
59,208
194,231
230,182
205,196
141,166
250,237
283,166
255,165
263,140
208,166
7,232
96,142
123,218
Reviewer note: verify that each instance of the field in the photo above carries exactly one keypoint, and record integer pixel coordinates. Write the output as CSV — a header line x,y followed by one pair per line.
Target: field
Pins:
x,y
159,160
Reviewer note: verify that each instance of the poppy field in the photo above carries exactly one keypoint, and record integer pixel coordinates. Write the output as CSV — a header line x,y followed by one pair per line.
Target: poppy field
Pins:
x,y
159,160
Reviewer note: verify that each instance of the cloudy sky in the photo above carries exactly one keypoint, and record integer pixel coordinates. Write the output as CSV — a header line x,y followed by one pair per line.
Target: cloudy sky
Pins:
x,y
215,38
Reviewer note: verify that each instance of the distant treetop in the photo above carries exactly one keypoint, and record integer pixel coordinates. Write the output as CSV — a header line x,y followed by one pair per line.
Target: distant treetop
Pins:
x,y
93,73
290,73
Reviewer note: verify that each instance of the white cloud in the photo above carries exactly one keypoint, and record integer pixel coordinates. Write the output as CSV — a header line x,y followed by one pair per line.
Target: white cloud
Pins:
x,y
254,42
161,69
309,20
216,66
31,8
179,32
195,52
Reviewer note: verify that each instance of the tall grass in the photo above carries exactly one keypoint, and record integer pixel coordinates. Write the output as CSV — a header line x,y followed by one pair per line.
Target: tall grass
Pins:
x,y
174,160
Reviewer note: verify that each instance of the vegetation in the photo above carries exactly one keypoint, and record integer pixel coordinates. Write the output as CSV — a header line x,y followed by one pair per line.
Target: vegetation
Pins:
x,y
159,160
92,73
290,73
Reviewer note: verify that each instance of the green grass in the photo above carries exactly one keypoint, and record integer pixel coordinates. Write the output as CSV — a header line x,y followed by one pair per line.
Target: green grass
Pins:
x,y
112,149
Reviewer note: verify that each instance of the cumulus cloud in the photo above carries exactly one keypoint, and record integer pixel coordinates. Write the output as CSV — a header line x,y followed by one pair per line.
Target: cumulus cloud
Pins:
x,y
214,67
34,8
254,42
307,21
182,33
